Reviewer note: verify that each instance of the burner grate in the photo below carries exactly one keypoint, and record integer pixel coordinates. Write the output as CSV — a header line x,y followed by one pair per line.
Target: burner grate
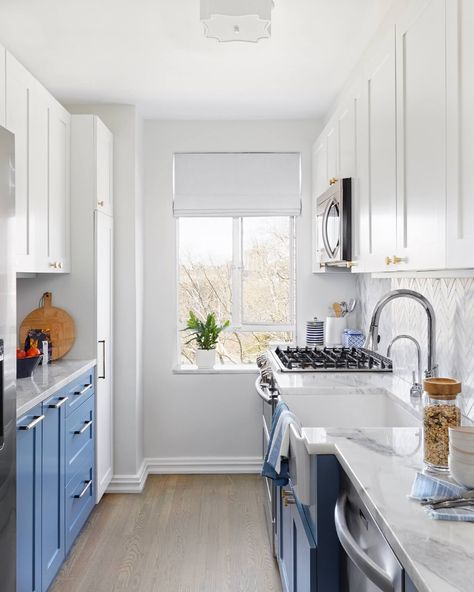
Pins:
x,y
337,359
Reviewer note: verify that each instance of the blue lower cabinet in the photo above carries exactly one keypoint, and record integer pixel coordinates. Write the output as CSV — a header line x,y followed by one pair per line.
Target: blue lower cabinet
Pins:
x,y
296,546
53,484
55,488
28,542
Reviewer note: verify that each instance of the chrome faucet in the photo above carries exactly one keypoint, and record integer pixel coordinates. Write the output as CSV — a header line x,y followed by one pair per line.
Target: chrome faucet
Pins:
x,y
416,389
372,340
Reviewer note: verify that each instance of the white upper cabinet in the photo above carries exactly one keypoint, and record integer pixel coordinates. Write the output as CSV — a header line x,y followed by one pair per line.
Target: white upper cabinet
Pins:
x,y
18,83
41,128
59,188
104,146
332,150
460,128
320,167
421,137
3,89
377,159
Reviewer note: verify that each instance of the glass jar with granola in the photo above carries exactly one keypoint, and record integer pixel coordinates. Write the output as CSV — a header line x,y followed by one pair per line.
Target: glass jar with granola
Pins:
x,y
440,412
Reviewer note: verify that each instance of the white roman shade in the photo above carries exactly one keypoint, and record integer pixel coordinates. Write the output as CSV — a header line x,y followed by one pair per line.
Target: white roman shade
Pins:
x,y
237,184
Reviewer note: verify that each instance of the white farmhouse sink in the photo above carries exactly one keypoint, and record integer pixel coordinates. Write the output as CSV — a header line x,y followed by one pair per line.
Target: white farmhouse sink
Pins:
x,y
350,411
333,410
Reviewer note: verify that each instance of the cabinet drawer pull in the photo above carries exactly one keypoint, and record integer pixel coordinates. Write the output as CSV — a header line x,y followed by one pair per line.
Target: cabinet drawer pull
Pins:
x,y
87,486
84,390
287,497
29,426
54,265
59,404
84,428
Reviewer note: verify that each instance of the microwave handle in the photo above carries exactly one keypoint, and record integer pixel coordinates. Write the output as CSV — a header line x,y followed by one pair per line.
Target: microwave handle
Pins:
x,y
355,553
324,233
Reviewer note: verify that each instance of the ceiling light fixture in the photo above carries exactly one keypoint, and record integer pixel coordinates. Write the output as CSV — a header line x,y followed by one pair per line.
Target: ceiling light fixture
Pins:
x,y
237,20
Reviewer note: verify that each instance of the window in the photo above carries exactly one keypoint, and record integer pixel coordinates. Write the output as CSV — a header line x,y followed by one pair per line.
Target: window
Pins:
x,y
241,268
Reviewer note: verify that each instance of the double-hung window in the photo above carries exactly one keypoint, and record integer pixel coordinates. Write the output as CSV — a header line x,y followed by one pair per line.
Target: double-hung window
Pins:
x,y
236,249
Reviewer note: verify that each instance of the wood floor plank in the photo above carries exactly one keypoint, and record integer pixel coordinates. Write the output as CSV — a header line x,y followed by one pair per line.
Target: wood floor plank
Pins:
x,y
183,533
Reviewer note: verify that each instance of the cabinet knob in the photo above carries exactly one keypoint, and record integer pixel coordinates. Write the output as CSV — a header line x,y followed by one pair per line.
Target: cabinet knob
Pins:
x,y
388,260
60,265
332,180
54,265
399,259
100,204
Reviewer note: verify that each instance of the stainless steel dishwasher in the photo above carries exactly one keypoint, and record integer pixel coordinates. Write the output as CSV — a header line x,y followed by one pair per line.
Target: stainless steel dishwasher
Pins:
x,y
368,563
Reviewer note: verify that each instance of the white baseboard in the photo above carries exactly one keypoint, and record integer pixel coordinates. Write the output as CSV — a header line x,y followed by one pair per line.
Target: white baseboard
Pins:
x,y
181,466
129,483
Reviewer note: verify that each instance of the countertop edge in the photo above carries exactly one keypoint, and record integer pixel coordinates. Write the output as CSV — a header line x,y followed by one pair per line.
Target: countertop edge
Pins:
x,y
48,392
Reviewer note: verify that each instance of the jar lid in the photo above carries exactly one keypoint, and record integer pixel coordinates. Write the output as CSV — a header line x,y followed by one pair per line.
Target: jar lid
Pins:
x,y
442,388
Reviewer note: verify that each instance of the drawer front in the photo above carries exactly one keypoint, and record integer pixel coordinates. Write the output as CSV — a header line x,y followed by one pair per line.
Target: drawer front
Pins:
x,y
79,390
80,496
80,439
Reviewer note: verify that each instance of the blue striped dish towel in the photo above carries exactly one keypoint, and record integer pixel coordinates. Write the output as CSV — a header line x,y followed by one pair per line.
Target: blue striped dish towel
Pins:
x,y
429,486
274,466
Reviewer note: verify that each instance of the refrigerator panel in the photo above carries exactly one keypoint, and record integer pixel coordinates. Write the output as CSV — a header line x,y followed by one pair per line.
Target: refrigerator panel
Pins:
x,y
7,363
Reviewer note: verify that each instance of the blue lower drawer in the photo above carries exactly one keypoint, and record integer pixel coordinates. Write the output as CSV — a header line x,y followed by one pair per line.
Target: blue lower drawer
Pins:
x,y
80,497
80,439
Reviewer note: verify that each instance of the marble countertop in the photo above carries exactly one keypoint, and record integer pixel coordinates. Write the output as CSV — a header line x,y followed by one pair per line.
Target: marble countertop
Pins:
x,y
382,464
47,380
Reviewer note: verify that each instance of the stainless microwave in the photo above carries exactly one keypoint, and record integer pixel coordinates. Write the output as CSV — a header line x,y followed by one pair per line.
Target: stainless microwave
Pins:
x,y
334,225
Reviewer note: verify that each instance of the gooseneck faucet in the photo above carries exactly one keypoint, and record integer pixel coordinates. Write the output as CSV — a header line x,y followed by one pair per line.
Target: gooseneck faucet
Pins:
x,y
373,336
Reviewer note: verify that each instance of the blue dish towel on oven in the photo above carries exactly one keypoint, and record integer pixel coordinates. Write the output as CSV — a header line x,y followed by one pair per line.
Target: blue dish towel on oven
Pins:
x,y
274,466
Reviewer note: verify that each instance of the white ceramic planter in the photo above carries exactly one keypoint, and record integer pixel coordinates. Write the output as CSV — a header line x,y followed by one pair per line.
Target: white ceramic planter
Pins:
x,y
205,358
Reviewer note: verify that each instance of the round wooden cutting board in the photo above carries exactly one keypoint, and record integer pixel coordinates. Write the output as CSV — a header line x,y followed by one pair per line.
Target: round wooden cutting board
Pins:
x,y
54,320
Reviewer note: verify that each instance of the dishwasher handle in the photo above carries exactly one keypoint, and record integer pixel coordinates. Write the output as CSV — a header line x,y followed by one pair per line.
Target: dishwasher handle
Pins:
x,y
357,555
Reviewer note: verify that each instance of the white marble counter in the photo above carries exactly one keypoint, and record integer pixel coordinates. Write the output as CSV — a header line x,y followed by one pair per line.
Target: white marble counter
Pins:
x,y
382,463
46,381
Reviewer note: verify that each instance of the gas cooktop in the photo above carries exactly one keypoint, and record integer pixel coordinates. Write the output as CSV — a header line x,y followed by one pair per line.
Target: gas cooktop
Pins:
x,y
329,359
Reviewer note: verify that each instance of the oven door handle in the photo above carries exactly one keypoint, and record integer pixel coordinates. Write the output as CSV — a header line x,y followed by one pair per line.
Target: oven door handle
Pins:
x,y
261,392
324,227
356,554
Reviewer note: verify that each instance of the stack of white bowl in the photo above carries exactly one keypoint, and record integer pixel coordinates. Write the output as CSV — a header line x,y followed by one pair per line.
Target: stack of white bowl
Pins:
x,y
461,455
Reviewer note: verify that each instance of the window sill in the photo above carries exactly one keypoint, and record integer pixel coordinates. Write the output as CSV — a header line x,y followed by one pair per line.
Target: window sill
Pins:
x,y
218,369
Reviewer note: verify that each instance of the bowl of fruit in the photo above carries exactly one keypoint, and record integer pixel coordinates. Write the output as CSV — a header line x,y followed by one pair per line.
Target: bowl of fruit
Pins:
x,y
26,361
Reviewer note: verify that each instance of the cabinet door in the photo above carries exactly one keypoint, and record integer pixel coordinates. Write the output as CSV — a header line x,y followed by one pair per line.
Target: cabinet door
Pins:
x,y
304,553
332,149
3,57
59,189
28,542
320,184
377,150
104,147
104,396
285,540
421,139
460,128
17,101
52,506
38,179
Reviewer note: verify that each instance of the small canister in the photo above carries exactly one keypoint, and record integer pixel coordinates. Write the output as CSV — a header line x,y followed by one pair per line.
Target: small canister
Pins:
x,y
440,412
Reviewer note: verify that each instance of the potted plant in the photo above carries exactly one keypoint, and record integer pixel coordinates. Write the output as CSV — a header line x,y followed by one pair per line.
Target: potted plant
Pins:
x,y
206,335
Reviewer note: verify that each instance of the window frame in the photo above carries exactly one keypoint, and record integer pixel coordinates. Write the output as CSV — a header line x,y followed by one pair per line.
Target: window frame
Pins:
x,y
237,323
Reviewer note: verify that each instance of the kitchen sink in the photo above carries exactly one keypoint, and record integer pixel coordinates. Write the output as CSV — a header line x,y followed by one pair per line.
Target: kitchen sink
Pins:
x,y
350,411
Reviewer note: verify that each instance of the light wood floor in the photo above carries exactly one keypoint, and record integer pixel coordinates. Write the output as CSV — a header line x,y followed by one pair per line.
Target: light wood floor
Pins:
x,y
184,533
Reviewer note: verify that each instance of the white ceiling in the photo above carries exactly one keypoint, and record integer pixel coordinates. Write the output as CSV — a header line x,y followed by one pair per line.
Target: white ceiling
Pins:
x,y
152,53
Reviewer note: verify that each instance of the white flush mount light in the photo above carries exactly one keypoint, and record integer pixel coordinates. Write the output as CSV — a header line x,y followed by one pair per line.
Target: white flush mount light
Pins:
x,y
237,20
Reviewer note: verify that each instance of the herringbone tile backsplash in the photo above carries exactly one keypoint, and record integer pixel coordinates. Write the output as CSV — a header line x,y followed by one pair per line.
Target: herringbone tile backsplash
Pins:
x,y
453,302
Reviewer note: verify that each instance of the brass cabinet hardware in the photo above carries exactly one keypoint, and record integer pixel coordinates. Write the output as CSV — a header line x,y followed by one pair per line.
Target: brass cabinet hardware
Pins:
x,y
388,260
351,264
397,260
100,204
287,497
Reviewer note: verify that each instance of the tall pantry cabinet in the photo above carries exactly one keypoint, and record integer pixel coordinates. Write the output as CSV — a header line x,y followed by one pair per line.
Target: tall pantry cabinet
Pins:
x,y
92,280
